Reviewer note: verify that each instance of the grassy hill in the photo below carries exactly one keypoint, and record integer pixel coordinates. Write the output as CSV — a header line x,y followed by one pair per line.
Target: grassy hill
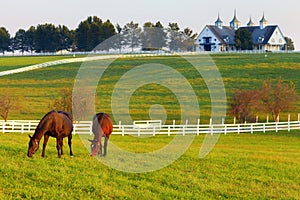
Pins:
x,y
36,90
241,166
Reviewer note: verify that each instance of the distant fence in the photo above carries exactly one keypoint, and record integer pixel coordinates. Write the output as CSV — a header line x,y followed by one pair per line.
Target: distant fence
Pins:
x,y
148,127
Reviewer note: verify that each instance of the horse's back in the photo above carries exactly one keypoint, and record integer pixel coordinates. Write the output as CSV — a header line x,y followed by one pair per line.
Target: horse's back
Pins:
x,y
104,120
55,123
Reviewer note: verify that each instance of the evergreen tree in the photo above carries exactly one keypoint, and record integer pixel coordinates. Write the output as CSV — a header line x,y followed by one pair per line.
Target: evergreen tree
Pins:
x,y
154,36
4,40
289,44
243,39
132,35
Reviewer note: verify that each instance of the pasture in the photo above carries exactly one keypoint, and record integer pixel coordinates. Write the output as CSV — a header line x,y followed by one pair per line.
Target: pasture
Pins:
x,y
37,90
245,166
241,166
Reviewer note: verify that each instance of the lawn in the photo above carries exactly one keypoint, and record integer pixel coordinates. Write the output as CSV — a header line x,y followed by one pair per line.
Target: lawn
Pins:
x,y
244,166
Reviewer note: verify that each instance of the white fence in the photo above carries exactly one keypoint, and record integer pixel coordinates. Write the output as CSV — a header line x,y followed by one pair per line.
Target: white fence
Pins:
x,y
154,127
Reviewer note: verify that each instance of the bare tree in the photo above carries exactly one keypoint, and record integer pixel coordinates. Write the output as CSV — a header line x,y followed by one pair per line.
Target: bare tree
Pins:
x,y
64,102
7,104
278,98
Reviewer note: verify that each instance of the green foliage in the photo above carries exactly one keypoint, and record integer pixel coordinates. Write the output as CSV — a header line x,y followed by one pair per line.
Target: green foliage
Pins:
x,y
245,166
289,44
4,40
92,32
243,39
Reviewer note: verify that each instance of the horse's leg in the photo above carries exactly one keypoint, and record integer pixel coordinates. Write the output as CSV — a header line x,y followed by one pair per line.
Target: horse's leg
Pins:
x,y
46,137
100,151
70,144
100,140
105,145
59,143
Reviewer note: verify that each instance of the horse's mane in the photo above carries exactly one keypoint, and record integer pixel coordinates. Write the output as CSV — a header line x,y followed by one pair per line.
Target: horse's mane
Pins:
x,y
43,122
67,114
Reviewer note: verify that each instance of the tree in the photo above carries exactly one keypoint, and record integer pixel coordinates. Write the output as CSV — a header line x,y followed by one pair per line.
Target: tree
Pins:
x,y
46,38
107,31
175,37
119,42
153,36
91,32
244,104
189,39
65,38
289,44
19,41
277,98
4,40
132,35
30,39
64,102
7,104
81,36
243,39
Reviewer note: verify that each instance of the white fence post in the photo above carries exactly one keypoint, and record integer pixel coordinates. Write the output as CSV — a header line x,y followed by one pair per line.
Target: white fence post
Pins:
x,y
198,126
289,123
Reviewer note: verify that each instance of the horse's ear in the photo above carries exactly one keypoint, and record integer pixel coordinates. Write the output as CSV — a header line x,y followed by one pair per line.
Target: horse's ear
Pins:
x,y
30,136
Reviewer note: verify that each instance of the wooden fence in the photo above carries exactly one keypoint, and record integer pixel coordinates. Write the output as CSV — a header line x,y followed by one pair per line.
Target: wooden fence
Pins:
x,y
147,127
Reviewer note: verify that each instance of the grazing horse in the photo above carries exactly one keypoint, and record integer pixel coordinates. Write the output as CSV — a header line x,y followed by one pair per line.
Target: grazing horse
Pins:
x,y
56,124
102,127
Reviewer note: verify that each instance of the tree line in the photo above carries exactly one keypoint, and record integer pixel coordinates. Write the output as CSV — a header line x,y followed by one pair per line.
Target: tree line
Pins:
x,y
93,31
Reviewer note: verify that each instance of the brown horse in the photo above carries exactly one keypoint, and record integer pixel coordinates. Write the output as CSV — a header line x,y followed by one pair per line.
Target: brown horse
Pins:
x,y
56,124
102,127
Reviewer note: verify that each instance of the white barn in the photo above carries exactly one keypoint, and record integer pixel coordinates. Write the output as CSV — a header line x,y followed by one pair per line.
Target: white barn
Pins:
x,y
218,38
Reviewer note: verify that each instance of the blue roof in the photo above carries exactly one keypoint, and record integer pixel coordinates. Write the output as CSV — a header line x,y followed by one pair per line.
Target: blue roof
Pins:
x,y
225,35
261,36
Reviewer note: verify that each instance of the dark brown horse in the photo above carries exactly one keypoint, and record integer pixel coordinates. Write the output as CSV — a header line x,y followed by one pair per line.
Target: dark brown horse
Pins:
x,y
102,127
56,124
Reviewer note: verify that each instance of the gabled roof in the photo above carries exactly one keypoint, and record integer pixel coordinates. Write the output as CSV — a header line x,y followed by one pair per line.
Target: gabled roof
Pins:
x,y
258,33
224,34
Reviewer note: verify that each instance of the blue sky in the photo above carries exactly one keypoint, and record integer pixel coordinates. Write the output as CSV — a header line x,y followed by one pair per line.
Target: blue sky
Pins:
x,y
195,14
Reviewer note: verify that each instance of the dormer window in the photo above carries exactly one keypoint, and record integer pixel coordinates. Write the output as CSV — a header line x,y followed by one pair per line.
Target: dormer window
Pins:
x,y
261,39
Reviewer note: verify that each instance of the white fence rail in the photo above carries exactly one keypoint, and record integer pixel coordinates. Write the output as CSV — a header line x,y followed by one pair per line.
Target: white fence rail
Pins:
x,y
85,127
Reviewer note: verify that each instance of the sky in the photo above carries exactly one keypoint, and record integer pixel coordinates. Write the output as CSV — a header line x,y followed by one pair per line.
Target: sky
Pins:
x,y
195,14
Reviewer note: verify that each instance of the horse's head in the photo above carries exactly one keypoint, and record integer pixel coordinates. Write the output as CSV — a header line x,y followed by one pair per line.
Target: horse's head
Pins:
x,y
33,146
95,147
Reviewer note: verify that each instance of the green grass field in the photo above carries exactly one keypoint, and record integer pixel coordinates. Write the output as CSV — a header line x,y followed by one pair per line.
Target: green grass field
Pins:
x,y
36,90
245,166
